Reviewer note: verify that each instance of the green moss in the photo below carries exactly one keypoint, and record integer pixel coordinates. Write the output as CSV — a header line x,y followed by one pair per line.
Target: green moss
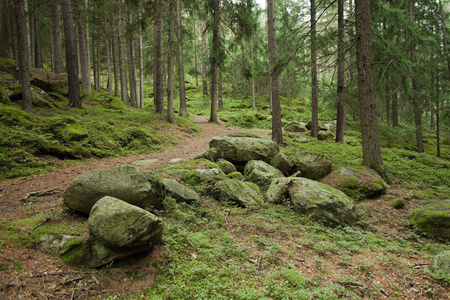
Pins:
x,y
348,182
379,185
398,203
235,176
433,220
75,252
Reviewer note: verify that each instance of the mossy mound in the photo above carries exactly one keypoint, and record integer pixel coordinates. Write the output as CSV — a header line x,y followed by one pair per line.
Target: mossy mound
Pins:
x,y
433,220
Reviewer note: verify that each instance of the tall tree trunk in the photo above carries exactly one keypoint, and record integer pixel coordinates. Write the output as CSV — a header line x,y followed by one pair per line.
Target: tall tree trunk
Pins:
x,y
182,89
159,58
108,48
417,108
438,142
314,88
115,56
94,60
195,58
387,99
122,63
444,35
366,93
277,133
71,55
58,64
220,90
141,68
204,60
394,101
253,75
170,62
215,53
131,62
38,54
24,54
341,118
84,60
99,59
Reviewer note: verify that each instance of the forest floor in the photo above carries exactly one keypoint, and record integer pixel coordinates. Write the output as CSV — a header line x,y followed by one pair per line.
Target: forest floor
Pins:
x,y
39,274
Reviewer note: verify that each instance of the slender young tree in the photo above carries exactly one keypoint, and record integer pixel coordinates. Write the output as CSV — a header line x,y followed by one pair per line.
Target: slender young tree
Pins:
x,y
204,59
108,48
58,63
159,58
366,93
24,54
122,61
277,133
84,60
170,62
341,119
115,56
182,89
131,60
314,87
71,55
215,60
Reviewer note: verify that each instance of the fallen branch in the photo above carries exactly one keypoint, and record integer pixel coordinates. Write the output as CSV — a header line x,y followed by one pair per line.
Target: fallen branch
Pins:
x,y
39,194
40,224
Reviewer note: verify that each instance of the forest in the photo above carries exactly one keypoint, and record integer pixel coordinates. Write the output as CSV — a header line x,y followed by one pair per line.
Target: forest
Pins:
x,y
150,85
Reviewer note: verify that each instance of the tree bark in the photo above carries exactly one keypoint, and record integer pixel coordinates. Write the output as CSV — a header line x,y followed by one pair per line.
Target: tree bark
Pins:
x,y
253,75
204,60
24,54
38,53
122,63
195,58
170,62
108,48
182,89
58,64
215,53
131,62
368,114
417,108
341,118
71,55
394,101
444,35
159,58
84,60
314,88
277,133
220,90
115,57
141,68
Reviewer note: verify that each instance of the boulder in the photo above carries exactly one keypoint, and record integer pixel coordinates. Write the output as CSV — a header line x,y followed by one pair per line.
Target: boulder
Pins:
x,y
117,224
226,166
357,182
236,176
240,150
50,82
287,164
325,135
261,173
441,262
212,154
236,192
321,126
313,199
296,127
180,192
126,183
90,253
433,220
312,166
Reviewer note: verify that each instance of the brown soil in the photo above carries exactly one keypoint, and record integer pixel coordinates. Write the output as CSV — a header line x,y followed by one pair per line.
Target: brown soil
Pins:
x,y
39,274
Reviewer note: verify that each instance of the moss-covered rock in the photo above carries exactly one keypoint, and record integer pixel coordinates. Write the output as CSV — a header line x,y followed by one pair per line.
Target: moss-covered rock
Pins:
x,y
226,166
314,199
357,182
235,176
115,223
114,103
180,192
212,154
4,98
237,192
398,203
433,220
441,262
261,173
296,127
7,65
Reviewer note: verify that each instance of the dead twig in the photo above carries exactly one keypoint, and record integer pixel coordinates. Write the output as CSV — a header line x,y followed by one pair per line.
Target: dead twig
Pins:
x,y
226,218
39,194
40,224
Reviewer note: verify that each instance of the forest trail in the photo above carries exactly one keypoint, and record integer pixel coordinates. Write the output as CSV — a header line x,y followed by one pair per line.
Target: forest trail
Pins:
x,y
42,274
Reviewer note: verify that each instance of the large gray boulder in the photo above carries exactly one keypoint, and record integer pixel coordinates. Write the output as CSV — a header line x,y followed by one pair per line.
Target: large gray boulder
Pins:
x,y
314,199
240,150
126,183
226,166
90,253
261,173
441,262
310,166
212,154
296,127
117,224
357,182
180,192
237,192
433,220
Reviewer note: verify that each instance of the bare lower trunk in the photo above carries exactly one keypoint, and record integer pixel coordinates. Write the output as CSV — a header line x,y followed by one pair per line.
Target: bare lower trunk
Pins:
x,y
58,64
159,58
215,61
24,54
366,93
122,63
71,55
131,62
141,69
277,134
182,89
195,58
314,88
204,60
84,60
108,50
170,62
115,58
253,75
340,76
220,91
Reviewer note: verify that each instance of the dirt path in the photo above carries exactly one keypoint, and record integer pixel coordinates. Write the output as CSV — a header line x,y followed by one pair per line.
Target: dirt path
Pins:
x,y
39,274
